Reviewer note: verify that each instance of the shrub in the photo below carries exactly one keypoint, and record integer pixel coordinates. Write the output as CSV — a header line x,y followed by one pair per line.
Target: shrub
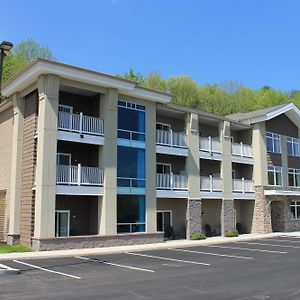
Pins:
x,y
198,236
232,233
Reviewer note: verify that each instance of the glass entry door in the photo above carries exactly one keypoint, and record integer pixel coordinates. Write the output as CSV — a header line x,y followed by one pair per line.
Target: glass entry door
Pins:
x,y
62,223
164,220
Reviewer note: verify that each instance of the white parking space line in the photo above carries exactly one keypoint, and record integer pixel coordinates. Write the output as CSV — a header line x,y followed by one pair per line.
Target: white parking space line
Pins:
x,y
46,270
113,264
267,244
248,249
168,258
213,254
284,240
290,236
5,267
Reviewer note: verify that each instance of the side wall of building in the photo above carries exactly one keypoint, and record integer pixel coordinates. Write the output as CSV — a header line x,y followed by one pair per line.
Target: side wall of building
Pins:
x,y
6,136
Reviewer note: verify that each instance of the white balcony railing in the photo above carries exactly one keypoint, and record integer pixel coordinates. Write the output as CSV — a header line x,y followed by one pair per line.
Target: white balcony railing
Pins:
x,y
209,144
171,182
80,123
241,149
79,175
211,184
242,186
170,138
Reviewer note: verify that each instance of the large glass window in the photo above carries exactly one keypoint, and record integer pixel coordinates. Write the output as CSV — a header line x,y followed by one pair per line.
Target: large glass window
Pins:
x,y
131,167
275,175
273,142
294,177
131,121
292,146
295,210
130,213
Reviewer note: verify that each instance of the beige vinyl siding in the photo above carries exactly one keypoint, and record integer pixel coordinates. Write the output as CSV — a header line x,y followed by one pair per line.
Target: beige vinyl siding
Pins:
x,y
6,135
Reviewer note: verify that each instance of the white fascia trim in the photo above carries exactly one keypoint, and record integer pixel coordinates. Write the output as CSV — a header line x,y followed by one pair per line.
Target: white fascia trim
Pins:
x,y
243,196
172,194
171,150
79,190
275,113
148,95
41,67
281,193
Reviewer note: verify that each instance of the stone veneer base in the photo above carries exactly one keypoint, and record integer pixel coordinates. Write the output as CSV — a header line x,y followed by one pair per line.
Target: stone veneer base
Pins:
x,y
13,239
96,241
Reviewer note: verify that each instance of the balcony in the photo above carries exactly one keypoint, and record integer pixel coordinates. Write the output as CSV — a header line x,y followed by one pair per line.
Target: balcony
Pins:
x,y
210,184
171,182
75,127
242,186
169,142
210,147
242,153
79,180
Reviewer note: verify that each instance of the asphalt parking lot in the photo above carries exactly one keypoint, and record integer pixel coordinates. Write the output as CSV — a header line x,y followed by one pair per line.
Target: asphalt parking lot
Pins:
x,y
259,269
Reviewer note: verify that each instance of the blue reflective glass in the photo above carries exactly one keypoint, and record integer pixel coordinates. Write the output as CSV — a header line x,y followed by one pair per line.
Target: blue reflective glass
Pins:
x,y
131,165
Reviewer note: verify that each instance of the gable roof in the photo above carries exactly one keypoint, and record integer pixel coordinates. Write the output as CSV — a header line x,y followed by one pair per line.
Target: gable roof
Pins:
x,y
265,114
31,72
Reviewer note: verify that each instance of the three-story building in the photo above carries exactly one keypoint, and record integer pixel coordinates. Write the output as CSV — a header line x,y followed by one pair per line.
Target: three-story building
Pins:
x,y
91,160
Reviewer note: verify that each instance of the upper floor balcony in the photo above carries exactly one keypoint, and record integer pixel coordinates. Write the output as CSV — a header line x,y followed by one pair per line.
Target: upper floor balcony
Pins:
x,y
79,180
242,186
169,142
211,187
172,185
242,153
243,189
80,128
210,147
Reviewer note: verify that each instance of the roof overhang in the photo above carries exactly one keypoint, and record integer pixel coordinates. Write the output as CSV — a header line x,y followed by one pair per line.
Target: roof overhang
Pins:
x,y
281,193
31,73
290,110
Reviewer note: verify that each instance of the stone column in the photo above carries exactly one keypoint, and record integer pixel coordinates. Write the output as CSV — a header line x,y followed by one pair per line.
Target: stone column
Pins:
x,y
151,201
227,212
16,170
108,160
284,160
45,179
262,221
260,168
193,213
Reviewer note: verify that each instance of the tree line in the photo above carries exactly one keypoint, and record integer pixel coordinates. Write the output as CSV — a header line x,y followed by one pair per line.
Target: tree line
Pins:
x,y
224,98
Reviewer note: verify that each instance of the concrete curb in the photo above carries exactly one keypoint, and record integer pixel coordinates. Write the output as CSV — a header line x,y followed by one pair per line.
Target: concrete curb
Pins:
x,y
6,270
144,247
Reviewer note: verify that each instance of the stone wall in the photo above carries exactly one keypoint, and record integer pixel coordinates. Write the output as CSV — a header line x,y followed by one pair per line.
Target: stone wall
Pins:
x,y
262,221
227,216
96,241
193,217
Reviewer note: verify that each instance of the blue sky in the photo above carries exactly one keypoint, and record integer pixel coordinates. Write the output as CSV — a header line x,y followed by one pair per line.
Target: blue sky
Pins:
x,y
254,42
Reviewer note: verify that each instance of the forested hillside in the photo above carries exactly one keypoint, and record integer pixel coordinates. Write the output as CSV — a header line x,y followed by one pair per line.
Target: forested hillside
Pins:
x,y
223,98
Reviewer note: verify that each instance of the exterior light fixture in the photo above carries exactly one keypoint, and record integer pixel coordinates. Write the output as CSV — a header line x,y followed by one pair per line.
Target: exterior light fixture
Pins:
x,y
4,47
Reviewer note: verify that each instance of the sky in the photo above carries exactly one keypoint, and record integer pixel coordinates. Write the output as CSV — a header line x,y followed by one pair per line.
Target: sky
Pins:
x,y
253,42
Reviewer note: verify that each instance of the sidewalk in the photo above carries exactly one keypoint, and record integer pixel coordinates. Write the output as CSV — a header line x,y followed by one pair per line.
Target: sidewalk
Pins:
x,y
144,247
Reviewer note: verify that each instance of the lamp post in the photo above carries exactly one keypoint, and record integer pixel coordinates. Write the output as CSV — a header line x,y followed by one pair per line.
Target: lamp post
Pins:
x,y
4,47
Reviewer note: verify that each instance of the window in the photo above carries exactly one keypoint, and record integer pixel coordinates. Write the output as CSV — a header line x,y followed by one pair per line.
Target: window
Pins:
x,y
273,142
63,159
294,177
163,168
131,167
162,126
275,175
131,121
65,109
292,146
295,210
130,213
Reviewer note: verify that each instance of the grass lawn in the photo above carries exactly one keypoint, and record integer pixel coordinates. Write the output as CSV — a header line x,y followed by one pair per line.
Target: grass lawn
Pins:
x,y
15,248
